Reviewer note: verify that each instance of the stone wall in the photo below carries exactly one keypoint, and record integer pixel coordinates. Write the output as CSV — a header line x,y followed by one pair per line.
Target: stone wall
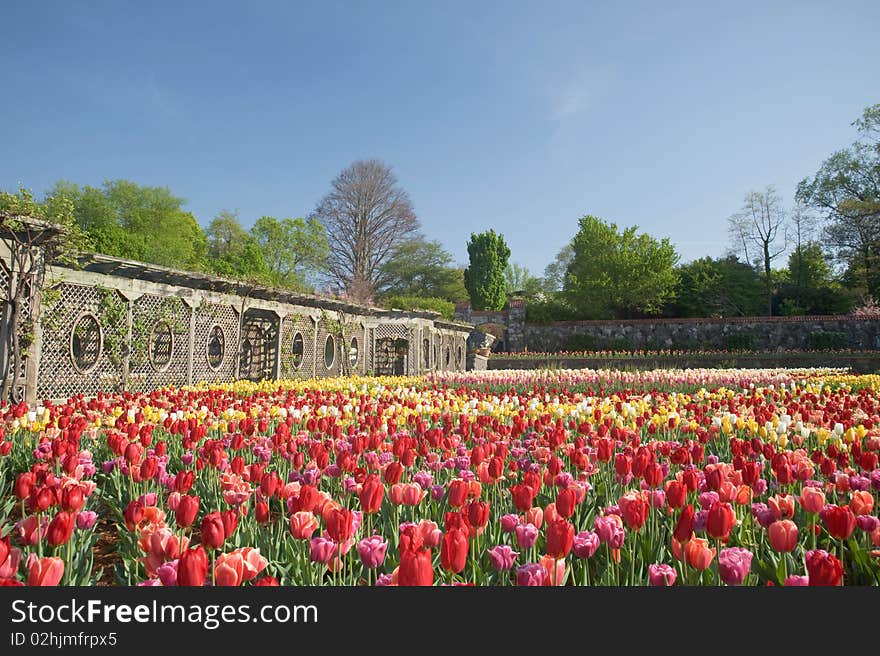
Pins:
x,y
770,333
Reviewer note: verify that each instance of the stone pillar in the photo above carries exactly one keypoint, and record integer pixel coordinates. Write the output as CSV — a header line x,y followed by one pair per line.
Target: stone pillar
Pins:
x,y
516,325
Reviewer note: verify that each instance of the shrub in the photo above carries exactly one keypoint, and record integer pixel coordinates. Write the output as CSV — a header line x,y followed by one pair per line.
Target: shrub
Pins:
x,y
581,342
444,307
739,342
548,311
828,340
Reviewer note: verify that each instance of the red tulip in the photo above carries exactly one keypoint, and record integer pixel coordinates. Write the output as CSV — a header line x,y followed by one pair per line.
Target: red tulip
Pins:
x,y
415,567
61,528
478,514
340,524
720,520
72,498
261,512
134,514
24,482
183,481
192,568
230,522
392,473
371,494
560,538
523,496
42,498
676,494
566,500
839,521
684,528
634,508
823,568
187,509
454,550
213,533
458,492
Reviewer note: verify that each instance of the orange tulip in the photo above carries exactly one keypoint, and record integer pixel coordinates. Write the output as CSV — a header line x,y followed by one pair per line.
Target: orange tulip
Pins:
x,y
743,496
698,553
555,569
44,572
782,506
812,499
783,535
303,524
861,502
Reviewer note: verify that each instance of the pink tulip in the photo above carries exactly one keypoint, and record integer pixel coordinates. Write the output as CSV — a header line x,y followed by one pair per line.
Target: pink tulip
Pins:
x,y
797,581
661,575
531,574
322,550
509,523
372,551
502,557
526,535
585,544
86,520
734,564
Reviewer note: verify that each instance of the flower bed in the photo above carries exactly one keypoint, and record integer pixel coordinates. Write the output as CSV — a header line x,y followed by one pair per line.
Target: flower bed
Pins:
x,y
677,477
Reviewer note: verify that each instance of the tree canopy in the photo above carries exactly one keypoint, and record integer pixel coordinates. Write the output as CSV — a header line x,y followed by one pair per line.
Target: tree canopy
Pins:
x,y
484,277
619,274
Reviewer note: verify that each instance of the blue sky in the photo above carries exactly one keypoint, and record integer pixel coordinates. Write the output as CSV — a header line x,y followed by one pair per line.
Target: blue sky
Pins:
x,y
519,116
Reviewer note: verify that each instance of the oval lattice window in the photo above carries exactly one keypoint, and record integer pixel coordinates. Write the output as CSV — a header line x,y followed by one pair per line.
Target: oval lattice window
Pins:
x,y
329,352
161,346
86,342
297,350
216,347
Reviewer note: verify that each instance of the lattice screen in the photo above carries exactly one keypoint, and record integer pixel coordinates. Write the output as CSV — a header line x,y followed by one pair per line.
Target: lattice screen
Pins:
x,y
59,376
385,360
320,365
304,326
258,348
24,327
160,342
209,315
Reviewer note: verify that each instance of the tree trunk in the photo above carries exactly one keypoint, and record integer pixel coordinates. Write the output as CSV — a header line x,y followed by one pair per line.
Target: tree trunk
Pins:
x,y
767,276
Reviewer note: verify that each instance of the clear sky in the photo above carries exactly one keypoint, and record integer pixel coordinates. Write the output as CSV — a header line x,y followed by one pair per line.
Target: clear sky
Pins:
x,y
519,116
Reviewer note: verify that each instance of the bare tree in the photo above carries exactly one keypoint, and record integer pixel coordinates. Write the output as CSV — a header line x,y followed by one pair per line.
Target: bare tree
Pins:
x,y
801,227
759,223
366,216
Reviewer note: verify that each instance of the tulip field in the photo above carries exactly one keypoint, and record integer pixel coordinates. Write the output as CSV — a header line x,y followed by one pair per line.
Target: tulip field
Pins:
x,y
690,477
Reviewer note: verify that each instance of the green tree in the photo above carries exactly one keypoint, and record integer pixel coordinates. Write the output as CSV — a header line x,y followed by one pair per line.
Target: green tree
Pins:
x,y
619,274
292,249
149,224
846,188
553,279
422,268
484,277
808,285
232,251
723,287
519,280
